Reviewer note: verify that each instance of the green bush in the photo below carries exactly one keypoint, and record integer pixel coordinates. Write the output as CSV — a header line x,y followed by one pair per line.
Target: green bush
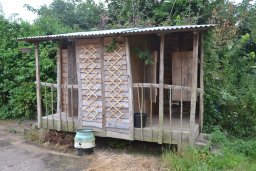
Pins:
x,y
246,147
17,70
230,91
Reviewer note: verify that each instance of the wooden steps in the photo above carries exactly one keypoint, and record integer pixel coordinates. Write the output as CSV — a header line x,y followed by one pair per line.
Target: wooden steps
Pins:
x,y
203,140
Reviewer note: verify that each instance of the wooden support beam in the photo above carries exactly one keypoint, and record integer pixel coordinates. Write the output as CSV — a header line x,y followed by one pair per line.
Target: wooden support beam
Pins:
x,y
72,104
38,91
161,90
72,80
201,108
181,115
103,86
141,112
59,92
193,87
130,95
170,113
80,118
52,103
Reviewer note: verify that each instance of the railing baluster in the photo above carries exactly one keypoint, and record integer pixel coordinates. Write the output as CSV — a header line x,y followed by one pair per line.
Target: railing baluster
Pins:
x,y
66,106
141,112
170,112
181,114
138,92
50,122
46,107
72,109
150,117
181,127
52,106
139,103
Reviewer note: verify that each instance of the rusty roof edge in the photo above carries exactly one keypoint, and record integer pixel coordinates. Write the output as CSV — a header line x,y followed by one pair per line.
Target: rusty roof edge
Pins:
x,y
126,31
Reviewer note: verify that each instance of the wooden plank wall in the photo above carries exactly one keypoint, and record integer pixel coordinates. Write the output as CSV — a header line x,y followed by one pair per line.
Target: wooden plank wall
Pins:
x,y
181,73
151,71
137,66
88,54
178,42
72,80
175,42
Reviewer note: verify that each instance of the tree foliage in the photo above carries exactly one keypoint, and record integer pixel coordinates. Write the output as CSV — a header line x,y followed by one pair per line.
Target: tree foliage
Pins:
x,y
75,14
230,91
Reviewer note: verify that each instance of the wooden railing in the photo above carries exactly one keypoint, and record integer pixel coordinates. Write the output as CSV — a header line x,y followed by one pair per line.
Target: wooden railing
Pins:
x,y
55,107
145,94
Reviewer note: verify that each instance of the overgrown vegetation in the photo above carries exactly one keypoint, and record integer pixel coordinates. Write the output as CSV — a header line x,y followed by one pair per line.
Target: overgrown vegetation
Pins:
x,y
233,154
111,47
144,55
230,81
229,72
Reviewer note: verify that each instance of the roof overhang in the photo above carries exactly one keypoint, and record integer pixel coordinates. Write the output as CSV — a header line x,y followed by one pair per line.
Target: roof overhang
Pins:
x,y
118,32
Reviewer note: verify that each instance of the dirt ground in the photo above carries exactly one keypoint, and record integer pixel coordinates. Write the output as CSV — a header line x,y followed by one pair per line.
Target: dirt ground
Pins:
x,y
19,153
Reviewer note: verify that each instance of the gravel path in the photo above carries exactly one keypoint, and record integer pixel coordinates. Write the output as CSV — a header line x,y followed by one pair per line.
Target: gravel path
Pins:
x,y
17,155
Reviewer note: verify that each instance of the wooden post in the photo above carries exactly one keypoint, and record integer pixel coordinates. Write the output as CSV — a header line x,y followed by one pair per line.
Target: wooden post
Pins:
x,y
52,106
193,87
170,113
72,79
38,91
141,112
79,87
161,91
201,109
150,113
59,92
103,86
130,87
72,104
181,114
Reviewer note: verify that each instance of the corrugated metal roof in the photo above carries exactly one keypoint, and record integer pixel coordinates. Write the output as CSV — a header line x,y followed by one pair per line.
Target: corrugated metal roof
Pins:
x,y
126,31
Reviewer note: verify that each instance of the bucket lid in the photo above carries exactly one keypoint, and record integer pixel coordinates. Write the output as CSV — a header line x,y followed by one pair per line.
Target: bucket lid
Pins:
x,y
84,130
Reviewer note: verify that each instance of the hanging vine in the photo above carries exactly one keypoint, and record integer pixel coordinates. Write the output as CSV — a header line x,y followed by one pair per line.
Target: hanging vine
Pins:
x,y
144,55
112,45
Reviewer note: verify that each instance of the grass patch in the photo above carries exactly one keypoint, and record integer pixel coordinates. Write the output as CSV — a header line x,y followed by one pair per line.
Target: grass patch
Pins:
x,y
32,135
234,154
192,159
12,130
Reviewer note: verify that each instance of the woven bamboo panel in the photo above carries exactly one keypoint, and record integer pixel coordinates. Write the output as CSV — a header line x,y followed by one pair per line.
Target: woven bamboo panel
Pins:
x,y
116,86
89,61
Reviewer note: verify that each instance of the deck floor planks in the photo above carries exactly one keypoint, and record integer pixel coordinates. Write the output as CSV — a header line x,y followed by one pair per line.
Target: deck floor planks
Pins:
x,y
148,134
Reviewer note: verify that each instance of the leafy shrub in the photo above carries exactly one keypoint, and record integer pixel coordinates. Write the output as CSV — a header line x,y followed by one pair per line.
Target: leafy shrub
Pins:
x,y
230,96
246,147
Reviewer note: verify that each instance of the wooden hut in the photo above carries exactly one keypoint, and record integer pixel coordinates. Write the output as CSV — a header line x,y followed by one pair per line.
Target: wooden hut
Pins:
x,y
104,77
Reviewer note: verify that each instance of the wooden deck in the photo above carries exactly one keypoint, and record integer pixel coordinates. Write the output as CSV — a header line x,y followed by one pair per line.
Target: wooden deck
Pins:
x,y
66,123
175,135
